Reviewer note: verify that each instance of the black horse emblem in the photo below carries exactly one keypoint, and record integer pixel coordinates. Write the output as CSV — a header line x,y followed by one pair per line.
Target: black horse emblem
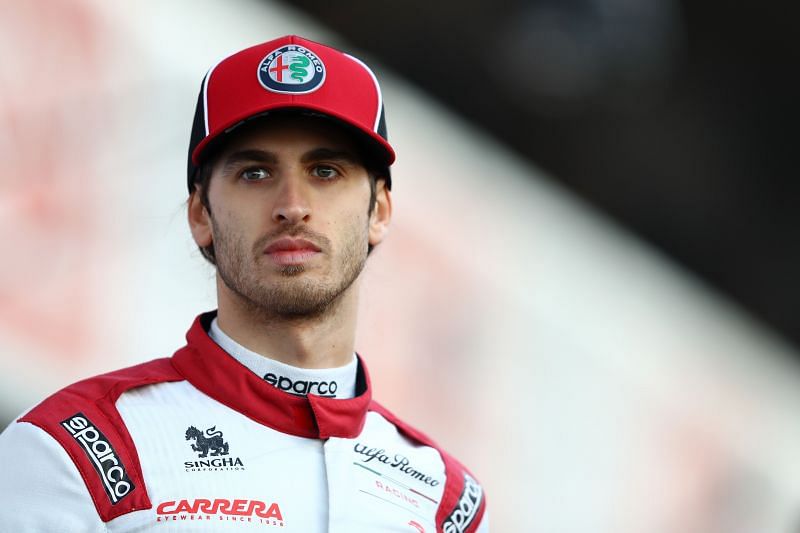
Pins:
x,y
208,441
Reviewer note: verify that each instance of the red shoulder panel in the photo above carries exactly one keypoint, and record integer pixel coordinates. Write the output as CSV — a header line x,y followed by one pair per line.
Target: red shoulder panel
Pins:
x,y
83,418
463,500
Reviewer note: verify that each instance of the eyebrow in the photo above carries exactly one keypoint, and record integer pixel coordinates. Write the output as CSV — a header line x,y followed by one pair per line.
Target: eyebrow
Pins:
x,y
329,154
252,156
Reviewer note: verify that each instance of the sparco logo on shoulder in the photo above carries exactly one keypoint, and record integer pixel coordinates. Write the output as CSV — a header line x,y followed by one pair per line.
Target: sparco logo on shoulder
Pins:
x,y
102,455
291,69
466,508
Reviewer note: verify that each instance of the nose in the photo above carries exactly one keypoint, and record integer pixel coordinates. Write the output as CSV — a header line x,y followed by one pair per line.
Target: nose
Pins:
x,y
291,203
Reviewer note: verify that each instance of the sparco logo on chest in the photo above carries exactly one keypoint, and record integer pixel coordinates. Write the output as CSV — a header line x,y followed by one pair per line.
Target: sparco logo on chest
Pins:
x,y
400,462
102,455
301,387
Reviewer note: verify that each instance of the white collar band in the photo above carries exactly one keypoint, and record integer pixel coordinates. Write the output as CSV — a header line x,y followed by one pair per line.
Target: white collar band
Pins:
x,y
337,382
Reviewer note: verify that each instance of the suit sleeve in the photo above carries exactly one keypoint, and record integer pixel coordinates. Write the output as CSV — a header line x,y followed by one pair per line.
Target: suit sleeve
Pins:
x,y
40,487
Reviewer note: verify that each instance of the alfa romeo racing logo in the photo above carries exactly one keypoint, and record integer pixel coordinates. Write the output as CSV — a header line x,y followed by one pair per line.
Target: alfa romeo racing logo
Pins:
x,y
291,69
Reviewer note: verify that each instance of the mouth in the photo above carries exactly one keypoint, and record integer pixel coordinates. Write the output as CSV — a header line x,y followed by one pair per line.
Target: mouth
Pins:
x,y
290,251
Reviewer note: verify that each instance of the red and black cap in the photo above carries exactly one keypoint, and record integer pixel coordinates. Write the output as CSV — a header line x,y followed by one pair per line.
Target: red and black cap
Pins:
x,y
289,73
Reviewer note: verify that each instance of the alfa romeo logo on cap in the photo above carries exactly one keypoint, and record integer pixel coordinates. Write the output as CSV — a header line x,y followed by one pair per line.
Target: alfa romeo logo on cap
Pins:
x,y
291,69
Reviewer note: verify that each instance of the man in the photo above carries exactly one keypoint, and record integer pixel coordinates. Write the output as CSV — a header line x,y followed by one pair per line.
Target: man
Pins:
x,y
265,419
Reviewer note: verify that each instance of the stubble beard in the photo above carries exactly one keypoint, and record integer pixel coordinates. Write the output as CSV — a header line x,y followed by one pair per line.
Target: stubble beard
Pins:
x,y
293,296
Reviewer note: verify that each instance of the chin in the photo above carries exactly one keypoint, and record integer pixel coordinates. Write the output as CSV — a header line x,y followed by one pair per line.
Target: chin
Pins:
x,y
292,270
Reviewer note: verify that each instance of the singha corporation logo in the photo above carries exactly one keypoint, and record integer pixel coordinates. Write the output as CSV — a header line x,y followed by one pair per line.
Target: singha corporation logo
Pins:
x,y
210,442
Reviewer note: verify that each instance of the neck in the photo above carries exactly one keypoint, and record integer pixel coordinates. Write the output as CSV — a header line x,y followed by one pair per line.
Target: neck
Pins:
x,y
324,341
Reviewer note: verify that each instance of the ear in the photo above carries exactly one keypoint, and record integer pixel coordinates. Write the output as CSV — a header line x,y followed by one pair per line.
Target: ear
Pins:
x,y
381,215
199,220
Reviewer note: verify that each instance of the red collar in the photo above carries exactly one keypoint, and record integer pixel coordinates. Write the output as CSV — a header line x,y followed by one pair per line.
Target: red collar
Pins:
x,y
215,373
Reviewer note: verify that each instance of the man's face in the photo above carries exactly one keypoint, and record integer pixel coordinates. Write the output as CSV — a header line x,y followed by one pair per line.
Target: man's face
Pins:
x,y
289,216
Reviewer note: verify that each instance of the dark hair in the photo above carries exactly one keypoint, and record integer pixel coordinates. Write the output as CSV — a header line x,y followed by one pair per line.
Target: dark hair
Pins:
x,y
202,180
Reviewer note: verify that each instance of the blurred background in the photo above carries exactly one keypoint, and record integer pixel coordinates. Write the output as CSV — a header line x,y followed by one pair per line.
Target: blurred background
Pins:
x,y
588,295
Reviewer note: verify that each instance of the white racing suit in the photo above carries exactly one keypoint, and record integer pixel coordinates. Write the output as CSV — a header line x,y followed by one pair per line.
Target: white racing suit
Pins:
x,y
197,443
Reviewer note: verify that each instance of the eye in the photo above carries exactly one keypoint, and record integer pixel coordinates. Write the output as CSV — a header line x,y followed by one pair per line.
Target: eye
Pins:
x,y
254,174
325,172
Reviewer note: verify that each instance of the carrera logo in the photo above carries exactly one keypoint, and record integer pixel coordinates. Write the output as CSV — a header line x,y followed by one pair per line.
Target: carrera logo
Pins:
x,y
291,69
466,509
302,388
220,510
397,461
104,458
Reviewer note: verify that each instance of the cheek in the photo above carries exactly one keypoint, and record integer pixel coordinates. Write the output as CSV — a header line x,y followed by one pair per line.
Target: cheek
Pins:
x,y
350,217
228,234
233,209
232,220
357,229
344,228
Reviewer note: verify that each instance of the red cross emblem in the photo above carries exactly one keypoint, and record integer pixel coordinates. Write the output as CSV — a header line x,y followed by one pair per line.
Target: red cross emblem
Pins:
x,y
278,68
